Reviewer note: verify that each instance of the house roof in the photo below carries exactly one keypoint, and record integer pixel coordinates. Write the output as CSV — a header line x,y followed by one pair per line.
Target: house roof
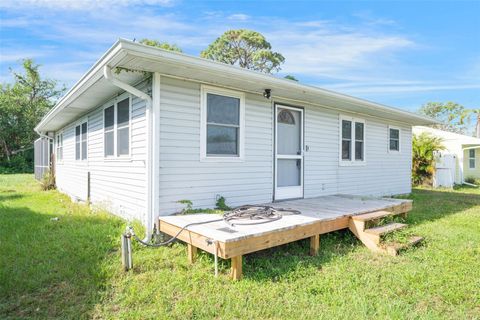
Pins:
x,y
451,137
93,89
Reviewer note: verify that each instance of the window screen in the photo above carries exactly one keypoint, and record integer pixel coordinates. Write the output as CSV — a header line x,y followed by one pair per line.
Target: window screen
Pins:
x,y
471,158
77,143
109,115
359,140
84,141
60,147
346,140
223,125
123,130
394,143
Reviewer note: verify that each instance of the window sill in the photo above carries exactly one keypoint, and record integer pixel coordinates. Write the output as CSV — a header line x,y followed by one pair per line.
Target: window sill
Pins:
x,y
118,159
394,151
352,163
222,159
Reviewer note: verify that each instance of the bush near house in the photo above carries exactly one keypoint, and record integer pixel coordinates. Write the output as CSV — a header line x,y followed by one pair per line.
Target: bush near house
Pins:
x,y
423,163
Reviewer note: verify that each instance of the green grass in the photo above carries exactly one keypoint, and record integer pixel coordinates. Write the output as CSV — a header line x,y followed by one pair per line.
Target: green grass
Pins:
x,y
70,268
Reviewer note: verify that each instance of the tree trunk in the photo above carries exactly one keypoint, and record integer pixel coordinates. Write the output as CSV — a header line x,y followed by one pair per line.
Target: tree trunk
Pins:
x,y
5,148
477,131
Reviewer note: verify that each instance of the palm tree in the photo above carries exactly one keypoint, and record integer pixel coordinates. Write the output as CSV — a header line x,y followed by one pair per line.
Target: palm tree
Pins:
x,y
423,163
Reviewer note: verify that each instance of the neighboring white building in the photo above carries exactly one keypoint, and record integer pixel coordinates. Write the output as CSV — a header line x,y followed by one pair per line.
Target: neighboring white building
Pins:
x,y
461,157
184,127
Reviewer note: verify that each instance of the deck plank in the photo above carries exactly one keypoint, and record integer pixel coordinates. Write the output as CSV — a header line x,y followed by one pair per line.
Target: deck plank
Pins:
x,y
313,210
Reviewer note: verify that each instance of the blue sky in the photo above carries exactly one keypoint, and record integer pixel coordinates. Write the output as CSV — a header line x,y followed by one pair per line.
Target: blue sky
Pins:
x,y
403,53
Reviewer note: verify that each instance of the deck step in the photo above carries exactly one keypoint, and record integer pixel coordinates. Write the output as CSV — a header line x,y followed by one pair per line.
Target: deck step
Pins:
x,y
393,249
382,230
374,215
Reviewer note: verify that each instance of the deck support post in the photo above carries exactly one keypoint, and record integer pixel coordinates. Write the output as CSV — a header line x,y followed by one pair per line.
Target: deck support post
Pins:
x,y
192,253
314,245
236,269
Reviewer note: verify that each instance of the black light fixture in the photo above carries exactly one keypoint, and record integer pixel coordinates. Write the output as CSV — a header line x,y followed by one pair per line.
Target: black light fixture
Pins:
x,y
267,93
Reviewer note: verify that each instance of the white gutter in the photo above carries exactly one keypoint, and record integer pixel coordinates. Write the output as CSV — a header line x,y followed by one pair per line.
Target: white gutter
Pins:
x,y
107,73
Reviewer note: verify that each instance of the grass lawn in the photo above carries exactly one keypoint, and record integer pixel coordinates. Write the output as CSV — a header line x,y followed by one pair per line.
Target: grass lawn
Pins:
x,y
70,268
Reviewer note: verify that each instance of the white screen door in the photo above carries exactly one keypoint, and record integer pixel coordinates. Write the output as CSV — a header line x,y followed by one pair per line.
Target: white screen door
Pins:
x,y
288,152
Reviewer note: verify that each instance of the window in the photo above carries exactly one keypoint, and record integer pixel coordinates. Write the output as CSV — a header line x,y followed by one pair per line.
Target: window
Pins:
x,y
394,139
359,141
346,140
108,119
222,124
81,141
352,149
471,158
286,117
116,129
59,144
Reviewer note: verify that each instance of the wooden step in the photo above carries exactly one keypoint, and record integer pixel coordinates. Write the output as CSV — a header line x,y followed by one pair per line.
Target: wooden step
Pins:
x,y
393,249
374,215
382,230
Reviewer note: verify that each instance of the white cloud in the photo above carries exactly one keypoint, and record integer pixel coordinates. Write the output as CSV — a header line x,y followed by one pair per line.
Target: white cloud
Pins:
x,y
357,58
239,17
83,5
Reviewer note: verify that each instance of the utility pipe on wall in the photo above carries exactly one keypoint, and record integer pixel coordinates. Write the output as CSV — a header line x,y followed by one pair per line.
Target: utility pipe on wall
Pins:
x,y
107,72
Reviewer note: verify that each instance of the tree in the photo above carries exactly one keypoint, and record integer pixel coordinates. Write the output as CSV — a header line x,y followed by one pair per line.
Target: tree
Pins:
x,y
290,77
476,114
22,106
161,45
453,116
245,48
423,162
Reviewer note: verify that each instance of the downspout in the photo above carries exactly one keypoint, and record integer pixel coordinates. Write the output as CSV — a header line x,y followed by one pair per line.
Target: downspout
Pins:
x,y
107,72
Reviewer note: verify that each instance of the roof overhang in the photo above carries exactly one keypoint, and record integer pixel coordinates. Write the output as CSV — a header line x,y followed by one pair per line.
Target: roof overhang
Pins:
x,y
93,89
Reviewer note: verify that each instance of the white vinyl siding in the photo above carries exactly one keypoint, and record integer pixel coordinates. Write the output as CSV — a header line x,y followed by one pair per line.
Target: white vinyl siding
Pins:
x,y
381,175
118,185
184,176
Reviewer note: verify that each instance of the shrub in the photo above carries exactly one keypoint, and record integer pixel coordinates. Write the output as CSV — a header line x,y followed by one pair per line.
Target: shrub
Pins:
x,y
18,163
48,181
423,162
221,205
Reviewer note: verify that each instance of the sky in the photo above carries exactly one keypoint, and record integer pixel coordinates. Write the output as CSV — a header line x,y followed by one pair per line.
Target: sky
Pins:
x,y
399,53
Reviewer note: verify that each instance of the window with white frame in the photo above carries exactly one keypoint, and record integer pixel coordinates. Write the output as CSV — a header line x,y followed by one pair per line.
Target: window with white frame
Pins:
x,y
81,141
222,124
59,144
393,139
352,140
471,158
116,128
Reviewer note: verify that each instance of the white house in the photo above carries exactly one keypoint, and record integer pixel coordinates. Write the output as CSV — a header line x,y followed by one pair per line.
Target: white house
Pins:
x,y
145,128
459,161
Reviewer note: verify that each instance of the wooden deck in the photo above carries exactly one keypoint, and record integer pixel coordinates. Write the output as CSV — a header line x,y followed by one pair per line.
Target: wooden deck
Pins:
x,y
318,216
